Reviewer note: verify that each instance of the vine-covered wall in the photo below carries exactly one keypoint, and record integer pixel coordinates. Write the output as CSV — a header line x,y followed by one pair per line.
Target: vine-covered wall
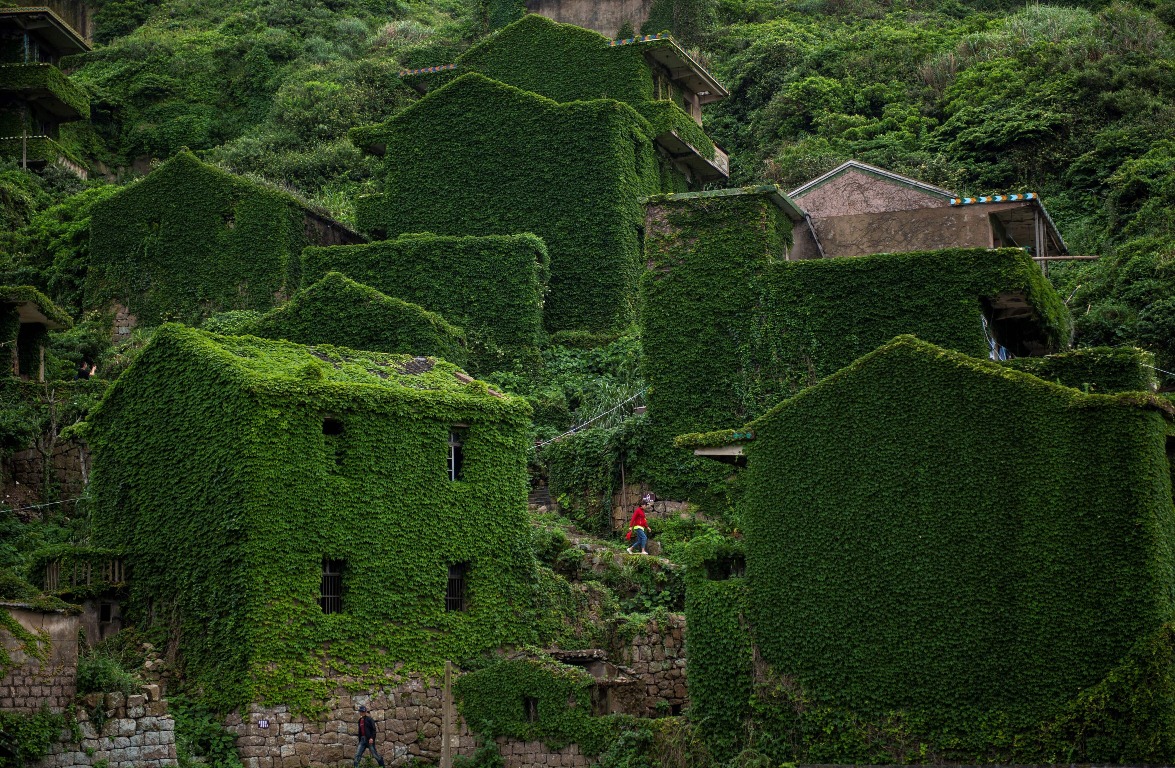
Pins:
x,y
190,240
936,535
491,286
479,157
1095,369
569,63
229,468
337,310
730,327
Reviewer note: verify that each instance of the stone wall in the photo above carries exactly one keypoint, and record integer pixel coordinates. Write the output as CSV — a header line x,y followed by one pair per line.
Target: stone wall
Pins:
x,y
407,719
120,731
23,475
656,659
524,754
31,682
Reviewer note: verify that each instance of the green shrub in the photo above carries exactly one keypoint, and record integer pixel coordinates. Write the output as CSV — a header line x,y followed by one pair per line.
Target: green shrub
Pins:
x,y
100,672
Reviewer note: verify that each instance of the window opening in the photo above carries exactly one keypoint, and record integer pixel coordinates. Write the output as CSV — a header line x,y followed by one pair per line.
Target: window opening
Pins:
x,y
331,598
105,613
723,568
530,705
1171,463
674,710
455,591
457,439
332,431
601,700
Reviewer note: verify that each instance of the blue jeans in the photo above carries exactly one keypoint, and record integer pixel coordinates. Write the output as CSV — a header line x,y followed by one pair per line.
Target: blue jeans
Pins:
x,y
641,538
364,745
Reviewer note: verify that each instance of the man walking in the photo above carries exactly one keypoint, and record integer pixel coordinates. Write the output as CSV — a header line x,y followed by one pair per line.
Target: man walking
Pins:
x,y
366,737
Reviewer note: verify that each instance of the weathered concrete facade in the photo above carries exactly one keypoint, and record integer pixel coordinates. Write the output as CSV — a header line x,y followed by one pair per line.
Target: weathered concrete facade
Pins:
x,y
33,683
604,16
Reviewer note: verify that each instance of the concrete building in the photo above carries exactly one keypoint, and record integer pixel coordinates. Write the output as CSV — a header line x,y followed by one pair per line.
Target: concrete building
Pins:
x,y
35,96
858,209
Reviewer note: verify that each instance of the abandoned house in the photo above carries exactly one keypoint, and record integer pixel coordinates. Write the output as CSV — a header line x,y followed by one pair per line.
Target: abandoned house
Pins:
x,y
726,253
858,209
26,317
919,531
301,512
534,90
36,98
191,239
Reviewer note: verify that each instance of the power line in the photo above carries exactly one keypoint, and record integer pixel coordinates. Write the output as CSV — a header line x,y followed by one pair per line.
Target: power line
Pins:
x,y
575,429
46,504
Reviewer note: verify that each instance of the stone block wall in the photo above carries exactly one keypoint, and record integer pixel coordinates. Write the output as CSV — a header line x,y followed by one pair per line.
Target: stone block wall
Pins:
x,y
407,717
23,475
524,754
31,683
656,658
120,731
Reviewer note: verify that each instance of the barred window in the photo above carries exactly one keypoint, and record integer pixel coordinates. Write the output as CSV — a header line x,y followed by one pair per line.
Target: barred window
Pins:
x,y
331,599
530,705
457,438
455,592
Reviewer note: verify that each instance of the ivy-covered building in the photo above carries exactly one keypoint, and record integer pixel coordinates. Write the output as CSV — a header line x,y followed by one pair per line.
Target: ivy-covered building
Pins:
x,y
557,131
191,239
26,317
491,286
731,324
302,515
36,98
944,550
339,311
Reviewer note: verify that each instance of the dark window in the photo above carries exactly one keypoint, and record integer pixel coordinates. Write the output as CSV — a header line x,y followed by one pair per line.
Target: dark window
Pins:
x,y
530,706
721,569
674,710
455,591
331,599
457,454
332,433
105,613
1171,463
601,700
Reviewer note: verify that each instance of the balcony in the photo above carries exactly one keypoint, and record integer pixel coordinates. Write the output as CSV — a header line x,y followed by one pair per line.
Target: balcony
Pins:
x,y
45,86
700,167
65,24
39,151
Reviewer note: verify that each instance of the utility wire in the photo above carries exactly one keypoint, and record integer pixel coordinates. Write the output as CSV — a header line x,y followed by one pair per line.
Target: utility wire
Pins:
x,y
575,429
46,504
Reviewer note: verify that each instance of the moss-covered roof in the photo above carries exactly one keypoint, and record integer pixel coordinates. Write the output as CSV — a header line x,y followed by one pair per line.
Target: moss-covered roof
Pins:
x,y
912,345
282,367
34,306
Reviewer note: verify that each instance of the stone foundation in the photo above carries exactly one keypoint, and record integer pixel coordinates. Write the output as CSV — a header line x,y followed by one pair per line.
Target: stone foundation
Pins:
x,y
656,658
407,717
524,754
120,731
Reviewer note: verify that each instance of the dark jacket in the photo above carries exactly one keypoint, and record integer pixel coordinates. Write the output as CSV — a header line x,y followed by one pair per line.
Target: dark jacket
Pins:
x,y
366,728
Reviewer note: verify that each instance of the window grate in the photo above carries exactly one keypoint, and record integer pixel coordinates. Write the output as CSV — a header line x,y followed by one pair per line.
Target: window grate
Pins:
x,y
331,599
52,576
455,592
530,705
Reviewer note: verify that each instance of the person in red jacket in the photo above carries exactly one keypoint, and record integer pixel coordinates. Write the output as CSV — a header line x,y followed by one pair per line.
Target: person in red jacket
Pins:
x,y
367,737
640,527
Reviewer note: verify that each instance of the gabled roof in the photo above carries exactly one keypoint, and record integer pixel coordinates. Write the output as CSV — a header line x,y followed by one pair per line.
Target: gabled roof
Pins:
x,y
729,442
872,170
